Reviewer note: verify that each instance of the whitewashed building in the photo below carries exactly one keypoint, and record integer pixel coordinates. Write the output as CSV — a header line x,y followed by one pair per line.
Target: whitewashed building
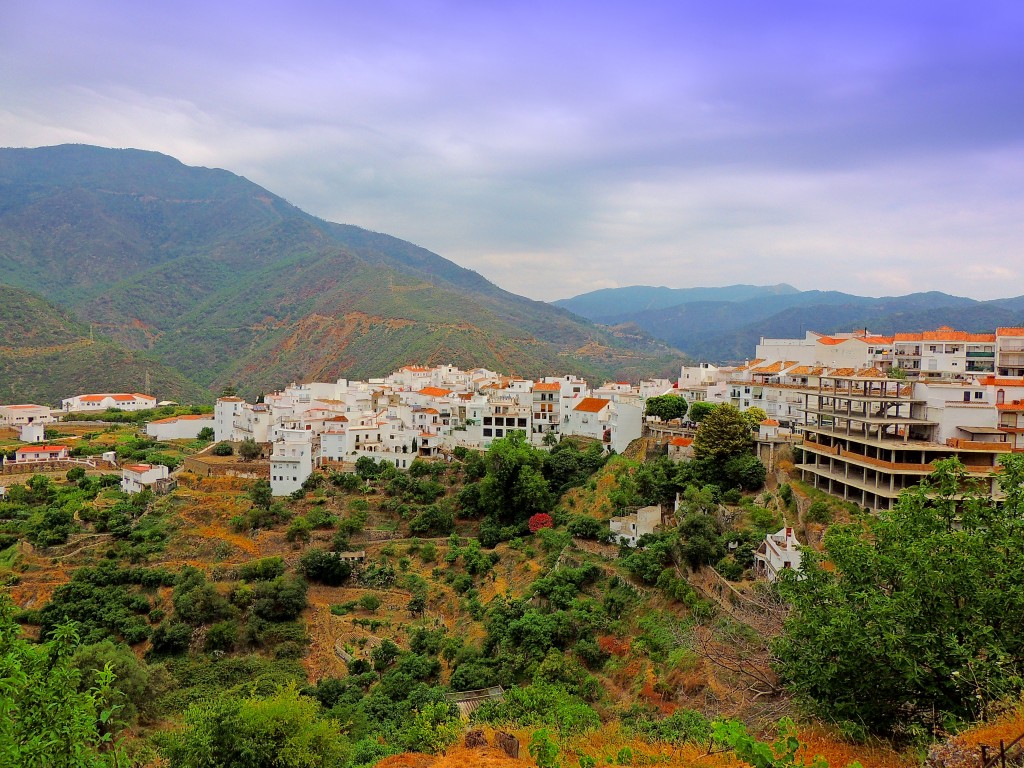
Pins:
x,y
778,552
291,462
136,478
629,528
26,413
124,401
185,427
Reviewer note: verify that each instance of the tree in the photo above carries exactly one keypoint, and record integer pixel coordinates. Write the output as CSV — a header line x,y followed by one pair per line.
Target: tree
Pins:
x,y
700,409
205,434
280,731
666,407
325,567
928,596
136,685
222,449
514,487
724,433
248,449
45,720
75,474
755,416
261,495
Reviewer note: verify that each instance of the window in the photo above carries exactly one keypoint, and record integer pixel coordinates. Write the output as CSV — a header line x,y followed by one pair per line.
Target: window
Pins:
x,y
499,433
978,395
487,432
487,422
521,423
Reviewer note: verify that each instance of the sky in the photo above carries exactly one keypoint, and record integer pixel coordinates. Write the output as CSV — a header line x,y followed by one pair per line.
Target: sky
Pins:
x,y
562,147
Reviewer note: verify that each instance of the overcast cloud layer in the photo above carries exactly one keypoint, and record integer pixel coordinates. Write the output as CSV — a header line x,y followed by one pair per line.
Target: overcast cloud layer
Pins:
x,y
871,147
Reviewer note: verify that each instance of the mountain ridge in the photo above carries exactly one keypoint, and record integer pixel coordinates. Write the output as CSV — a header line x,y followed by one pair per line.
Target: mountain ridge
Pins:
x,y
208,272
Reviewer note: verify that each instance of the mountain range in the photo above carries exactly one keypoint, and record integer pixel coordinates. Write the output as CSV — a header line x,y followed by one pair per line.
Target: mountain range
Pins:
x,y
217,281
725,324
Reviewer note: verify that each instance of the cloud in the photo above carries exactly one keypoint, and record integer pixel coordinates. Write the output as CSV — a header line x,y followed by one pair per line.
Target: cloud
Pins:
x,y
559,148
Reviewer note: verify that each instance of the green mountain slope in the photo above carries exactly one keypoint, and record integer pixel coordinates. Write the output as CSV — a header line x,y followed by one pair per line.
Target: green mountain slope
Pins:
x,y
229,283
45,355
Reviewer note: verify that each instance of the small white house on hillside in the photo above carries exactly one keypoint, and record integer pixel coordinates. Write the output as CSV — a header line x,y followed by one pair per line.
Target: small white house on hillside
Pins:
x,y
777,553
136,478
629,528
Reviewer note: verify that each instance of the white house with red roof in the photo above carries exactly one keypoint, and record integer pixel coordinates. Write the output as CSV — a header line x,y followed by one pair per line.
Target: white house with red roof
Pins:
x,y
185,427
26,413
1010,351
138,477
125,401
39,453
680,448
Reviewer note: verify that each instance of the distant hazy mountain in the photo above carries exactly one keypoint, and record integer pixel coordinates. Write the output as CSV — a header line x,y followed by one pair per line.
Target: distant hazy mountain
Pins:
x,y
597,305
46,355
229,283
728,329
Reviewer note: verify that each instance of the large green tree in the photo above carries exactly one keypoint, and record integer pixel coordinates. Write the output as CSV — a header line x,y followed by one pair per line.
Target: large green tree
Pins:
x,y
920,617
666,407
514,487
45,720
722,434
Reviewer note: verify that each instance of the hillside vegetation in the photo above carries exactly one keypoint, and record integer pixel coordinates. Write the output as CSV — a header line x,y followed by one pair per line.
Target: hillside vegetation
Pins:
x,y
228,283
45,355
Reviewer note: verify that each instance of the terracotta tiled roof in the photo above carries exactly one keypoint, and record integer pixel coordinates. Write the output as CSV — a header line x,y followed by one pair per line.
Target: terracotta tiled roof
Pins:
x,y
1009,331
434,392
138,467
552,387
752,364
776,367
592,404
805,370
1001,382
230,400
873,373
681,442
431,410
945,333
1014,406
828,340
42,448
769,423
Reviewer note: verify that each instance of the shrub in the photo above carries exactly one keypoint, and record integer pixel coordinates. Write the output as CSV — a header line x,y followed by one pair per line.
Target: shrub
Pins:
x,y
325,567
262,570
222,449
819,512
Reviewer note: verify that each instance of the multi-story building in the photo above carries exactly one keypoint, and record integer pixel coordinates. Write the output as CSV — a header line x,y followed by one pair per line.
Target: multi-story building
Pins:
x,y
547,408
136,478
1010,351
945,353
291,462
868,438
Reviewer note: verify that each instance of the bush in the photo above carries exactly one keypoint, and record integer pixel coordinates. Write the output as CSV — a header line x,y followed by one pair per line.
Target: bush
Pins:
x,y
222,449
819,512
369,602
262,570
221,636
325,567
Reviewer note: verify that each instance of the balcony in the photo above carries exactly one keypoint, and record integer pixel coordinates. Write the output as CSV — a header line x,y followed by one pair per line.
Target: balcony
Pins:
x,y
988,355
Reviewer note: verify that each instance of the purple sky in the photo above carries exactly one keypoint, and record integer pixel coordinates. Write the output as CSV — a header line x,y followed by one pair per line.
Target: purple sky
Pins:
x,y
871,147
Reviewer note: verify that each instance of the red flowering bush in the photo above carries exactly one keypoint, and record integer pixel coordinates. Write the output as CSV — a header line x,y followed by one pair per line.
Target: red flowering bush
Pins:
x,y
540,520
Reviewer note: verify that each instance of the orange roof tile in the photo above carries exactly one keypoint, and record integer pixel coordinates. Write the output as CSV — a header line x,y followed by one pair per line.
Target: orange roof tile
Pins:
x,y
1001,382
681,442
434,392
430,410
828,340
41,448
769,423
1017,405
1009,331
543,387
138,467
592,404
945,333
805,370
751,364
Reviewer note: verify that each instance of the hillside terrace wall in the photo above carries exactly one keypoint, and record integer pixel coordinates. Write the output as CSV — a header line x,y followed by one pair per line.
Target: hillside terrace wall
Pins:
x,y
226,466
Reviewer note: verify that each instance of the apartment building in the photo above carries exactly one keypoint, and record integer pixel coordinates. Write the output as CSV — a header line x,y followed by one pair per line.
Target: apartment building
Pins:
x,y
868,438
